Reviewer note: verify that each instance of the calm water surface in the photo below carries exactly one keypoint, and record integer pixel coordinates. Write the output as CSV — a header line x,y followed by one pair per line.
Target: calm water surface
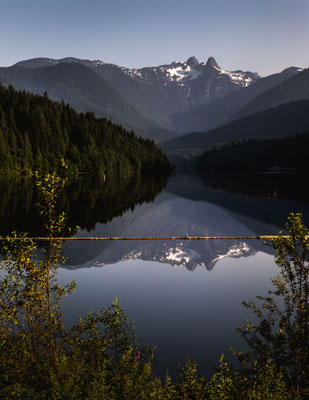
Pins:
x,y
184,297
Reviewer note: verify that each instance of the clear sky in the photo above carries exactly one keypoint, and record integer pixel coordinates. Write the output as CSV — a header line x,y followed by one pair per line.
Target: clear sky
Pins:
x,y
265,36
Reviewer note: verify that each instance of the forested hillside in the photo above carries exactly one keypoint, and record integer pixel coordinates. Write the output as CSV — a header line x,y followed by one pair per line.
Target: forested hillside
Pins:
x,y
79,86
284,120
257,155
37,133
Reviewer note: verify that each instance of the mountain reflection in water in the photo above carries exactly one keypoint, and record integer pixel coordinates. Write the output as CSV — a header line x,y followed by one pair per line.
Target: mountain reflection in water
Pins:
x,y
186,207
185,314
138,207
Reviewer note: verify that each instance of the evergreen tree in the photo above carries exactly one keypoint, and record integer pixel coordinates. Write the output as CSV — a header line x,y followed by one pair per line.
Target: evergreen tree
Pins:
x,y
37,133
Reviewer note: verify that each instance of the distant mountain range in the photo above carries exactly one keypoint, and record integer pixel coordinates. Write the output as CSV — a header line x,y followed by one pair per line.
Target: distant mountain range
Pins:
x,y
284,120
161,92
289,90
219,111
160,102
149,100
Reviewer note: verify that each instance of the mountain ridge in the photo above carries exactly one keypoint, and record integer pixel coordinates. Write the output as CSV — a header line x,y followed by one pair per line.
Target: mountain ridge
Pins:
x,y
284,120
159,93
79,86
159,102
293,89
222,110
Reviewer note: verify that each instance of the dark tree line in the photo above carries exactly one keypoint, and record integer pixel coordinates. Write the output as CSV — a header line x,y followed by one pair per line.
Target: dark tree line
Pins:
x,y
256,155
39,134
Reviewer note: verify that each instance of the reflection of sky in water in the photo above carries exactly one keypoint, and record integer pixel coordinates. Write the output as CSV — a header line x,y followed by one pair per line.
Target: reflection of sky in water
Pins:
x,y
183,313
164,286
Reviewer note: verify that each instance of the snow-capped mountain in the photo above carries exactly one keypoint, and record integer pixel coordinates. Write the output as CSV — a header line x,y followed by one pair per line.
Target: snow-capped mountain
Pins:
x,y
162,92
164,101
192,83
182,73
179,73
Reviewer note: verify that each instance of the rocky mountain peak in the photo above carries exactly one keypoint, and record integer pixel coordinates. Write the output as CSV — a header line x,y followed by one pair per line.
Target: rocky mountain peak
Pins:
x,y
192,61
211,62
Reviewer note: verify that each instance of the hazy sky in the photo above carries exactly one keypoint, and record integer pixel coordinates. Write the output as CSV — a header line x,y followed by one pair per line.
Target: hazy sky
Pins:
x,y
265,36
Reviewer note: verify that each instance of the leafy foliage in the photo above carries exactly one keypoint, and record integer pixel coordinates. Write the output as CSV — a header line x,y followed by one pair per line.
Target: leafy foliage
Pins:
x,y
29,302
283,329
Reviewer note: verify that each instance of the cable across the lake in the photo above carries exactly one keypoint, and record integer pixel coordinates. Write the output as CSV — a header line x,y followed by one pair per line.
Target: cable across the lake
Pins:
x,y
99,238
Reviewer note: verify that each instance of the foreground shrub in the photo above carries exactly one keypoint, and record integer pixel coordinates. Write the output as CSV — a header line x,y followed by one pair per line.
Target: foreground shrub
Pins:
x,y
282,331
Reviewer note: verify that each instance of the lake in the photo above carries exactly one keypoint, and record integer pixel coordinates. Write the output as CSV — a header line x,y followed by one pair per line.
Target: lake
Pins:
x,y
184,296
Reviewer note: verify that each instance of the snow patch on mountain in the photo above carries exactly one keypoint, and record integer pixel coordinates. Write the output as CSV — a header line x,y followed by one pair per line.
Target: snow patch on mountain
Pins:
x,y
178,256
97,63
238,77
235,251
183,72
179,73
132,73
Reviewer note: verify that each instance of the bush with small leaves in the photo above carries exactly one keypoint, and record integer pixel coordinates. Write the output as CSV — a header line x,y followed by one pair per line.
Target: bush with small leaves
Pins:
x,y
282,331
